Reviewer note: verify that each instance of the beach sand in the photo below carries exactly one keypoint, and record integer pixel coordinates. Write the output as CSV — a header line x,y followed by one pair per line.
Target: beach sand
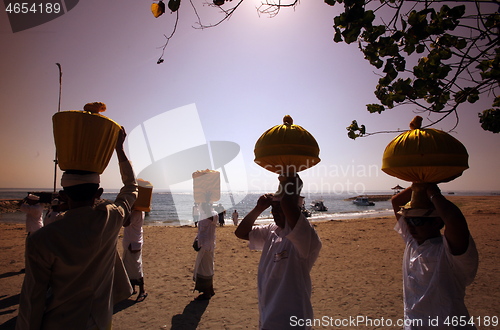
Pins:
x,y
358,273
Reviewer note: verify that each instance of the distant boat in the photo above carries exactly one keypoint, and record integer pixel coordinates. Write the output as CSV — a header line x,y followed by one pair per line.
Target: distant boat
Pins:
x,y
306,212
363,201
318,205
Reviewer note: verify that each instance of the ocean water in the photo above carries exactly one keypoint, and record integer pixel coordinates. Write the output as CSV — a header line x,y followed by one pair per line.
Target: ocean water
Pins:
x,y
175,209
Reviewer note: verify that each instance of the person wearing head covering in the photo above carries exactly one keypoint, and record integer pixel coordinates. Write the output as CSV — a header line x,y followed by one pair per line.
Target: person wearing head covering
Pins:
x,y
203,274
74,274
436,267
34,213
289,246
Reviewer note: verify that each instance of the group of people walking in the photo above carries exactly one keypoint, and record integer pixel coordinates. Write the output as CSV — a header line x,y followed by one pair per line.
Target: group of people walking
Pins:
x,y
74,274
437,267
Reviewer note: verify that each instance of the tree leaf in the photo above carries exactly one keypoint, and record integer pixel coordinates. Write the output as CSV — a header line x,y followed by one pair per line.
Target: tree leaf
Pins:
x,y
372,108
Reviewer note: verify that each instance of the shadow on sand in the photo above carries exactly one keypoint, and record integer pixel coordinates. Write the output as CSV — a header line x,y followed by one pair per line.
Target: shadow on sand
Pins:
x,y
191,316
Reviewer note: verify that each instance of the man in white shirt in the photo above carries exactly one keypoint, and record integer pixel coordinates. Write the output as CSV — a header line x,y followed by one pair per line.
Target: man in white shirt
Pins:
x,y
436,268
289,247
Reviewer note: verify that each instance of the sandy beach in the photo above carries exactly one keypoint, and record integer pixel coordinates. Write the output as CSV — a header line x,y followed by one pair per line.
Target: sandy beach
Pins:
x,y
357,275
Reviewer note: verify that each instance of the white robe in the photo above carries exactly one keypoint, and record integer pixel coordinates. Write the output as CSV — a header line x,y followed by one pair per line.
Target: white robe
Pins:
x,y
204,265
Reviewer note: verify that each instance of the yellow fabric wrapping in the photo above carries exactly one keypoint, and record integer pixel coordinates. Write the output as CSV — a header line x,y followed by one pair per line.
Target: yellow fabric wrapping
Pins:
x,y
145,194
206,186
287,147
84,141
425,155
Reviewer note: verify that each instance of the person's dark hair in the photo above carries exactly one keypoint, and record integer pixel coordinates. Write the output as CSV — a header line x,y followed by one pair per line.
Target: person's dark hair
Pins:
x,y
82,192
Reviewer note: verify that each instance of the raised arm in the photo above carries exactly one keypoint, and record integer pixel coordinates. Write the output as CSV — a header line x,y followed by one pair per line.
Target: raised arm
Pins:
x,y
399,200
245,226
456,230
128,193
120,152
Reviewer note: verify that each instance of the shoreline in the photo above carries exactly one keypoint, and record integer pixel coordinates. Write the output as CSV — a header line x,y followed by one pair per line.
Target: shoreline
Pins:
x,y
17,217
358,273
10,213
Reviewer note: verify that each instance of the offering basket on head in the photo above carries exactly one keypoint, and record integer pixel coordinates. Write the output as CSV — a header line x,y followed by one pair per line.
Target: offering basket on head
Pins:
x,y
286,149
206,186
144,197
424,155
84,141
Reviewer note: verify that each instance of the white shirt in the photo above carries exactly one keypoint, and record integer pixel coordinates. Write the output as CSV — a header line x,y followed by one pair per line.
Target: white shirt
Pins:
x,y
284,282
235,218
34,218
434,280
132,234
206,232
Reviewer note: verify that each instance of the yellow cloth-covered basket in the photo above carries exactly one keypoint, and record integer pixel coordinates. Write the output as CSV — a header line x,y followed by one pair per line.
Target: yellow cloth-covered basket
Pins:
x,y
84,141
143,201
286,148
425,155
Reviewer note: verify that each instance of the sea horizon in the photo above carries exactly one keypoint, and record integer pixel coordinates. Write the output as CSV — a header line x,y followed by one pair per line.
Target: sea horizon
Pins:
x,y
175,208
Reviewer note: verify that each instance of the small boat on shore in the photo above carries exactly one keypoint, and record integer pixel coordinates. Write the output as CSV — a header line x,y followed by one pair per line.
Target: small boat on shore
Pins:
x,y
318,205
363,201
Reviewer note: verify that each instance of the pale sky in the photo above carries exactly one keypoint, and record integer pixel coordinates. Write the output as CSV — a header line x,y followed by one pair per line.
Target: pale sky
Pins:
x,y
237,80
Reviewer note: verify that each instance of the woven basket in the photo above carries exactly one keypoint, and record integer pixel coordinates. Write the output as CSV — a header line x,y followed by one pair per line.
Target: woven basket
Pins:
x,y
84,141
206,186
143,201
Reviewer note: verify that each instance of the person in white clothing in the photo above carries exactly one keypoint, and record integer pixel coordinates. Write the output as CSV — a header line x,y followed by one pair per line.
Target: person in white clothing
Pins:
x,y
34,213
235,217
290,246
132,251
196,214
205,240
436,267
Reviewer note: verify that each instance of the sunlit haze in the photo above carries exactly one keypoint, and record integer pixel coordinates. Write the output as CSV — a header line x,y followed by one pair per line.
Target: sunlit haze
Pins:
x,y
236,80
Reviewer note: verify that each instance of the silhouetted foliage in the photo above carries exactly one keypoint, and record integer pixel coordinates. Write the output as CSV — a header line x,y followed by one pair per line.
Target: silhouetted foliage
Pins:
x,y
431,55
436,55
